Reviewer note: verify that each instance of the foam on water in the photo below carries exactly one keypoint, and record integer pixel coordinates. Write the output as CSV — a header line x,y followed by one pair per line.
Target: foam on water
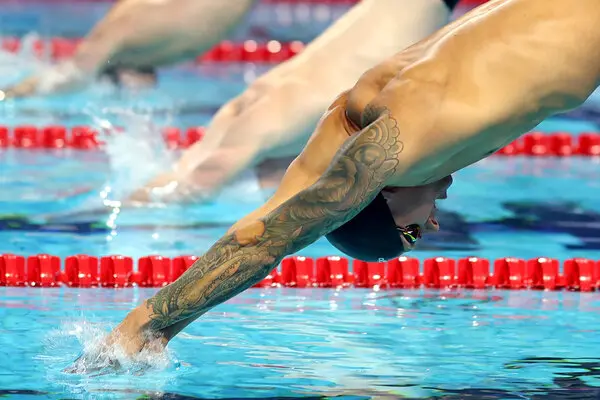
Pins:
x,y
136,153
100,369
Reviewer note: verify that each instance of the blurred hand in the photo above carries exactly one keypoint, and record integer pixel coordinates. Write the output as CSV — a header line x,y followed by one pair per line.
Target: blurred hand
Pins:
x,y
24,88
273,118
165,188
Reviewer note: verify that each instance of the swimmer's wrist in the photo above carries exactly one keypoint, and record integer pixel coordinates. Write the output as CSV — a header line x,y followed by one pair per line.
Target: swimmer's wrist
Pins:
x,y
137,322
134,333
136,319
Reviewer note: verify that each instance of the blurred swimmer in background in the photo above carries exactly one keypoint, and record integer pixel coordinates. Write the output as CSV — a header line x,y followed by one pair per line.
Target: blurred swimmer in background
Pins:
x,y
274,117
135,38
271,120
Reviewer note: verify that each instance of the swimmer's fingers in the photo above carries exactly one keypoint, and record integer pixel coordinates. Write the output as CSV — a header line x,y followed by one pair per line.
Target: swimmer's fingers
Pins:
x,y
145,196
60,78
25,88
119,351
96,362
149,197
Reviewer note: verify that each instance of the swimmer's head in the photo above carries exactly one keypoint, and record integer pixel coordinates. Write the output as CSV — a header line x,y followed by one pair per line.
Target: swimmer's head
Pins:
x,y
131,78
392,224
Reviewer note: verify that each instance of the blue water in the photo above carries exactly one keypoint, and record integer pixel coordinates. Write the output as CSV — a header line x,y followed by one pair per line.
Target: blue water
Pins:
x,y
285,343
354,344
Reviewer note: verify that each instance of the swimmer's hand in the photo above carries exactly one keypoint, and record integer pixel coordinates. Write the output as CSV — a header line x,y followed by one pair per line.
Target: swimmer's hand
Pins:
x,y
60,78
166,188
160,189
24,88
120,349
96,362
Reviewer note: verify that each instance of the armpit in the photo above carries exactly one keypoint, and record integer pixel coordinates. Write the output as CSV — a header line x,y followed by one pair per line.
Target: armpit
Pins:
x,y
351,124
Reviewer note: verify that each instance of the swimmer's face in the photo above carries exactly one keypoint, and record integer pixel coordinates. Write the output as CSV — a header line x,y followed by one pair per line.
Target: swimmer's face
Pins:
x,y
414,208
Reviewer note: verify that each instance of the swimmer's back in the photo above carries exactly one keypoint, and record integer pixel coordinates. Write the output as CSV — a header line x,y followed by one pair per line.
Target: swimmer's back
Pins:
x,y
492,75
541,54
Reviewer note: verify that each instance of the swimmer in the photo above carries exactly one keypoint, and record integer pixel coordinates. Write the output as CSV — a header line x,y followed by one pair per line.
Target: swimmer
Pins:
x,y
413,120
275,116
135,38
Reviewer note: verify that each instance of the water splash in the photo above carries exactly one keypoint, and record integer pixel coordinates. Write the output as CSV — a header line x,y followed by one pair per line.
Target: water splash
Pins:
x,y
101,370
136,153
136,149
133,142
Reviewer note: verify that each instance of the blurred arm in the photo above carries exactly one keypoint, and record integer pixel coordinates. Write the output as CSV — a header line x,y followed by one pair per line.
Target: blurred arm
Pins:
x,y
281,108
241,135
144,33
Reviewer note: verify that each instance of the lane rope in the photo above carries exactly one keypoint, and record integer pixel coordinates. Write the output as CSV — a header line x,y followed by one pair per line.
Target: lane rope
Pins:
x,y
84,271
533,144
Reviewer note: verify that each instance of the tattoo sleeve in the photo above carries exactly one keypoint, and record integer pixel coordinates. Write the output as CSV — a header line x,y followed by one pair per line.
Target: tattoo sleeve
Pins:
x,y
238,261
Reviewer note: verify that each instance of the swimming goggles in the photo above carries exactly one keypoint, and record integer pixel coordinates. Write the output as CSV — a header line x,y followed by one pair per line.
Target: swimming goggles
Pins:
x,y
411,233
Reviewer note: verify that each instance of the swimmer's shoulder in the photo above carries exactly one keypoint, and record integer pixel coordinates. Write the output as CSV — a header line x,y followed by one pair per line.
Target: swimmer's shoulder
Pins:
x,y
332,131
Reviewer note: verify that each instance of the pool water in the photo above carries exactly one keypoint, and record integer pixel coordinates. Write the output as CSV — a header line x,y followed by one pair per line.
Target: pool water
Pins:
x,y
285,343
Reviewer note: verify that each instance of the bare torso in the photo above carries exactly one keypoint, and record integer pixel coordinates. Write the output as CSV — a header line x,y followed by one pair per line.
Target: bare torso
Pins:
x,y
467,90
499,72
502,73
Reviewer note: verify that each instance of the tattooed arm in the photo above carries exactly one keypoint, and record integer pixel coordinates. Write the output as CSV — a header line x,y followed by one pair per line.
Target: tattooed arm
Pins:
x,y
239,260
236,262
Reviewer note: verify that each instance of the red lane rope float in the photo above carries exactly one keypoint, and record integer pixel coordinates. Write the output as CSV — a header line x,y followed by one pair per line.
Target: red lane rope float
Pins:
x,y
85,271
83,137
557,144
533,144
248,51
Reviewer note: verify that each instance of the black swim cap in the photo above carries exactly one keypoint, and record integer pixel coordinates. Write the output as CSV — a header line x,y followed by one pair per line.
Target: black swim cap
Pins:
x,y
451,3
371,235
